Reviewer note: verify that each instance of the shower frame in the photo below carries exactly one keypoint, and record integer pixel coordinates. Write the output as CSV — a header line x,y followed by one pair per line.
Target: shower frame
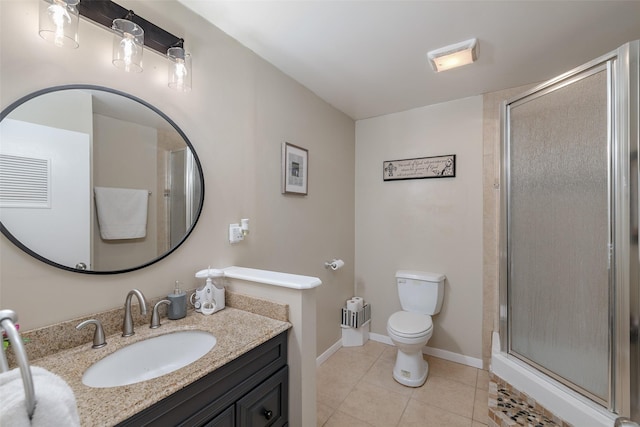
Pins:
x,y
624,287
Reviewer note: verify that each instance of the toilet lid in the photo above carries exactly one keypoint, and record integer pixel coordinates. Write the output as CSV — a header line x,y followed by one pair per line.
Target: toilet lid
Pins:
x,y
406,323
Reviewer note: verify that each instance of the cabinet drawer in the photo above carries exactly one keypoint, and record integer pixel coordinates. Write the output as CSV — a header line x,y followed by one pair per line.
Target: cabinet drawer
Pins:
x,y
225,419
267,405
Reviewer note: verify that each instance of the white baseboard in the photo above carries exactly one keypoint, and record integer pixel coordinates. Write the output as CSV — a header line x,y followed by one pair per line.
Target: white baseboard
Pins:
x,y
442,354
327,354
436,352
453,357
380,338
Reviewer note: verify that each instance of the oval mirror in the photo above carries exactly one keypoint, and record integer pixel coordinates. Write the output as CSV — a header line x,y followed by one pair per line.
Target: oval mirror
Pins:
x,y
96,181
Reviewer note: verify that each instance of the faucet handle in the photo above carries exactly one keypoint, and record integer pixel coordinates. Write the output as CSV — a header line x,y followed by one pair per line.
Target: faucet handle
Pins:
x,y
98,335
155,316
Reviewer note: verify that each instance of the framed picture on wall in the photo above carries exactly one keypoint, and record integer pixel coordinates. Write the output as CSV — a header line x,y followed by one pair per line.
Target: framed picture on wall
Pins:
x,y
295,169
420,168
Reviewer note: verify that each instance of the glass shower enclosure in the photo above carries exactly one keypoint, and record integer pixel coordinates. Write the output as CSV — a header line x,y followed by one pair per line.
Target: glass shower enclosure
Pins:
x,y
569,290
183,195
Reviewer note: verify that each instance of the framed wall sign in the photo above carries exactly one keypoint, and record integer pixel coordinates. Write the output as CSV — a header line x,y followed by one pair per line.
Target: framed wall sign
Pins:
x,y
420,168
295,169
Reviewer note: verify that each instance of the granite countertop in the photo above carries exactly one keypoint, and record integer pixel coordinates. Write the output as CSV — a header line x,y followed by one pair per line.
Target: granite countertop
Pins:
x,y
237,331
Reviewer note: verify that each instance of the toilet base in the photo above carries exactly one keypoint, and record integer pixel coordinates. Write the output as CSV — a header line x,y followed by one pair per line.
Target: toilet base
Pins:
x,y
410,369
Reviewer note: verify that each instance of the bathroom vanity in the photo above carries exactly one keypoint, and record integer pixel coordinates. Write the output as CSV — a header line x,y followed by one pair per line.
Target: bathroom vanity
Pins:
x,y
250,391
242,381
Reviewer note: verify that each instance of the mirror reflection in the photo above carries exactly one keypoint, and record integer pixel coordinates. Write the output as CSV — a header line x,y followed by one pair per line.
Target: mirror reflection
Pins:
x,y
96,181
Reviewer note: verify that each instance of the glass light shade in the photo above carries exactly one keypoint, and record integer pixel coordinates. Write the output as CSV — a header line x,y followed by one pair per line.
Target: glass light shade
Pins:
x,y
453,60
455,55
59,22
128,43
179,69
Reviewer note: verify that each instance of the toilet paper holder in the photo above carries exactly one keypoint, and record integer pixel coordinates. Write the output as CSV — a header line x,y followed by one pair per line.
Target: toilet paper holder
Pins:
x,y
334,264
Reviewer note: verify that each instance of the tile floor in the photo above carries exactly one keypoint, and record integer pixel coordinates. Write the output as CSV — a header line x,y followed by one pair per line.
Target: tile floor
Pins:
x,y
355,388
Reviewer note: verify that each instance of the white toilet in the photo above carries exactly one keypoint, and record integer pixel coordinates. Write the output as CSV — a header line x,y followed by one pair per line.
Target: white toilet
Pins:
x,y
421,296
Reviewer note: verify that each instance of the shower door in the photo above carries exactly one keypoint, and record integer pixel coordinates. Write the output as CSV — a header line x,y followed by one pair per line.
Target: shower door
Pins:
x,y
569,252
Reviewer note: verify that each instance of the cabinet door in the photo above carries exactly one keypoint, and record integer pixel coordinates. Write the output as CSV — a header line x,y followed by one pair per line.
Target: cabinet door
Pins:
x,y
268,404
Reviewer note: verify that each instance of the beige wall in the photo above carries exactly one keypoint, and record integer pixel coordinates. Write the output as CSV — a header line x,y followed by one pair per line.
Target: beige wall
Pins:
x,y
240,111
427,224
71,111
116,163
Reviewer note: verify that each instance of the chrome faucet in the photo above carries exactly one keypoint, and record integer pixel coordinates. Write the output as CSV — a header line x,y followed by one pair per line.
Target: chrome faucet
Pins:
x,y
127,325
98,335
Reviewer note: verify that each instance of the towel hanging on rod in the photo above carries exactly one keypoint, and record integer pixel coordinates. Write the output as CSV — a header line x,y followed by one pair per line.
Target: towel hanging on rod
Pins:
x,y
122,212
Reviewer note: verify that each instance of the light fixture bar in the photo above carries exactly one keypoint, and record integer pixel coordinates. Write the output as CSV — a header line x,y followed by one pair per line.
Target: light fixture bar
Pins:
x,y
454,55
103,12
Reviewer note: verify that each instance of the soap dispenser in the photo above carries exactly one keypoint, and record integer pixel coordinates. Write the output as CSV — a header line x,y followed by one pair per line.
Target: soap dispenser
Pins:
x,y
178,307
214,285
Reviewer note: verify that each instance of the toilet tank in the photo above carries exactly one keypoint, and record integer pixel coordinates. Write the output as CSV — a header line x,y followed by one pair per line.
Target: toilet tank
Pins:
x,y
420,291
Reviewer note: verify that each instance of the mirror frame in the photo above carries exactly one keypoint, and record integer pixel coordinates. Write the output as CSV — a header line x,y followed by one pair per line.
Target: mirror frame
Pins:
x,y
6,111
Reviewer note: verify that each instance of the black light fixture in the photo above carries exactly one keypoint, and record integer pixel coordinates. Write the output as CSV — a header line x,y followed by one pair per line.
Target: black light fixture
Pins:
x,y
132,32
104,12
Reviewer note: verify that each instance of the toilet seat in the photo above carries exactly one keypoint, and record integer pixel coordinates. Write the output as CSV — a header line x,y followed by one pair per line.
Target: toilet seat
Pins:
x,y
406,324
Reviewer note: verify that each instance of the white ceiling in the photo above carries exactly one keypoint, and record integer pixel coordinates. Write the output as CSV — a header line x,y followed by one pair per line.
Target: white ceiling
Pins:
x,y
368,58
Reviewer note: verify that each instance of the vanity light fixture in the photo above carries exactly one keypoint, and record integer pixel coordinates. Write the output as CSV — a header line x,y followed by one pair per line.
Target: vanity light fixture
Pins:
x,y
455,55
128,41
59,22
179,68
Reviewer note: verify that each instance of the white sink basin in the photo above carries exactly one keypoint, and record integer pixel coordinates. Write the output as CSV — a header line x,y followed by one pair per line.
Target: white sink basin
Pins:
x,y
149,359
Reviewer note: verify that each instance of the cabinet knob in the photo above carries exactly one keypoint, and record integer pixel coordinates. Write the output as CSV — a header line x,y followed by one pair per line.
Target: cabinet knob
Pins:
x,y
267,414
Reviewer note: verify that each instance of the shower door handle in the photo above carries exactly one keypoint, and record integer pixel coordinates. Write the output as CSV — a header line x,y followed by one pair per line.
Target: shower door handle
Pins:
x,y
625,422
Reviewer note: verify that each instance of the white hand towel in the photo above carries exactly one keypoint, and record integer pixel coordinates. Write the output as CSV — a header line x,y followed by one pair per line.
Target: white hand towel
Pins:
x,y
55,402
122,212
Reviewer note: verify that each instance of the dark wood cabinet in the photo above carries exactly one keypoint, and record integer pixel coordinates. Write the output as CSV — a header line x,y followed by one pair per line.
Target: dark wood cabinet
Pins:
x,y
267,404
225,419
250,391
